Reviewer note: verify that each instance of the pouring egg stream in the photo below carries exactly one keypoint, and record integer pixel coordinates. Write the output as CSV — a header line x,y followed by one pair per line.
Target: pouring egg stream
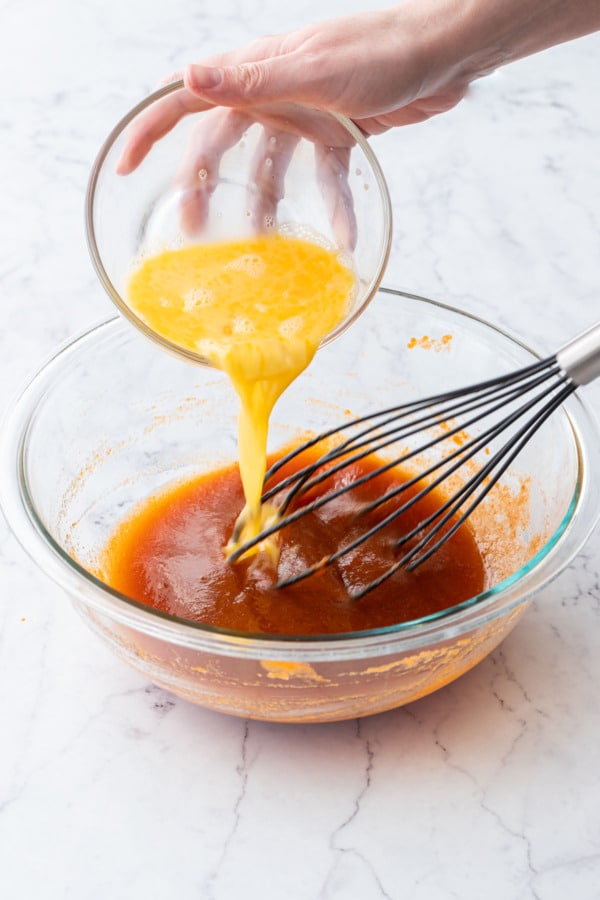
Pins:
x,y
257,309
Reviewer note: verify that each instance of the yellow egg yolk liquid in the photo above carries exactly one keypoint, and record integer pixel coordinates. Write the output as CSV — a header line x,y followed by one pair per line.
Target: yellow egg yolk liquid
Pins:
x,y
257,309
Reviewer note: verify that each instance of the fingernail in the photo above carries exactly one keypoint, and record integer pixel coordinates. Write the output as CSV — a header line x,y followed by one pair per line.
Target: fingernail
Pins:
x,y
203,77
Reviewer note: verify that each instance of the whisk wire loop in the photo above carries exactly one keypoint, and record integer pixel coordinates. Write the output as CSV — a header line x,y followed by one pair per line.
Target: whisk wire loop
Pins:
x,y
510,450
449,510
305,479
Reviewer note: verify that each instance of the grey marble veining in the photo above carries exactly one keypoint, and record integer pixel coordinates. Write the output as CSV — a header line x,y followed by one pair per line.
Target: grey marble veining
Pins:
x,y
109,786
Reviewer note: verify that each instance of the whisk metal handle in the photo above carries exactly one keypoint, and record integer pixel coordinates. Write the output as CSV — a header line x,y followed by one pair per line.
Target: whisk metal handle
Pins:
x,y
580,358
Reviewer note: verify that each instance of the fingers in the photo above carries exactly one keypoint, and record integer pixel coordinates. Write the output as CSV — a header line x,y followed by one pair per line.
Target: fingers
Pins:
x,y
198,175
155,122
282,77
417,111
332,173
151,125
348,65
271,161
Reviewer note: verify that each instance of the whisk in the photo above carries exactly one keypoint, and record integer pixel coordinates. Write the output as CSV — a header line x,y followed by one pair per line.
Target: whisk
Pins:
x,y
516,405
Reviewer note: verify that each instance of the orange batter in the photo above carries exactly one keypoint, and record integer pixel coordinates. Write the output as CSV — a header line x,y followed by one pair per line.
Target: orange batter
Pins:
x,y
169,554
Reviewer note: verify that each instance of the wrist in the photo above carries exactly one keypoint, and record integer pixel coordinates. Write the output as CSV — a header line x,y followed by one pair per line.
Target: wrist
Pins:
x,y
462,40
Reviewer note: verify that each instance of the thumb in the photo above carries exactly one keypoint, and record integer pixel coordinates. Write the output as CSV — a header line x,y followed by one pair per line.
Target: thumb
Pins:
x,y
249,83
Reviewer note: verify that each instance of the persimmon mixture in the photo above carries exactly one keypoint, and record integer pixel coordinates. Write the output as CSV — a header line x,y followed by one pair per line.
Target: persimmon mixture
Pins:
x,y
258,309
170,554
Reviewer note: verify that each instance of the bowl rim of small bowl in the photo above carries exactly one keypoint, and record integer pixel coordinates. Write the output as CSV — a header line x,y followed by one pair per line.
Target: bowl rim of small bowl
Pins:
x,y
369,290
19,509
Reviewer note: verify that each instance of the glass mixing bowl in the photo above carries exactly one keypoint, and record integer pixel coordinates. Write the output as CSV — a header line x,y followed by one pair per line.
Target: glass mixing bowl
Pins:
x,y
224,174
109,420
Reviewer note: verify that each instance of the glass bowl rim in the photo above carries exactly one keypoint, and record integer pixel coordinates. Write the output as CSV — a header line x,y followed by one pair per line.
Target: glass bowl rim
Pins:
x,y
114,294
500,599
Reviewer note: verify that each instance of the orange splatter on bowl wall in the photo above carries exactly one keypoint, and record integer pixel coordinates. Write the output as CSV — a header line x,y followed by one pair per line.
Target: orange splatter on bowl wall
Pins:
x,y
429,343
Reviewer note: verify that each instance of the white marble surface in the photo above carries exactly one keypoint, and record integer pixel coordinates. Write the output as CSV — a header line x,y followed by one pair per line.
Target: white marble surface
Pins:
x,y
109,787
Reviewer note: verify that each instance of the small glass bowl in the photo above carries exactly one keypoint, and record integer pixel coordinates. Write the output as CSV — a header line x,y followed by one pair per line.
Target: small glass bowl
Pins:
x,y
108,421
224,174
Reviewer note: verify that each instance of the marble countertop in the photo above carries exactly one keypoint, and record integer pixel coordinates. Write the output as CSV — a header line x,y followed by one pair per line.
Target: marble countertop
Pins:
x,y
109,787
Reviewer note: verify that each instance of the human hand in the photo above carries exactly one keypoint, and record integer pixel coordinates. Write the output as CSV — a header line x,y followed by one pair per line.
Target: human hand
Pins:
x,y
381,69
330,67
365,67
385,68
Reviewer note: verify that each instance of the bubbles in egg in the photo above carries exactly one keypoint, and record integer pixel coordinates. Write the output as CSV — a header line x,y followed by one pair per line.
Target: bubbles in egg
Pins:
x,y
250,263
242,325
289,327
197,297
306,233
